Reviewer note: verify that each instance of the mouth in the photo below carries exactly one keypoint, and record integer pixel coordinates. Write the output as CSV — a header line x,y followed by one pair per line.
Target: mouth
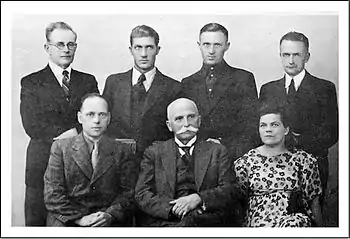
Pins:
x,y
96,128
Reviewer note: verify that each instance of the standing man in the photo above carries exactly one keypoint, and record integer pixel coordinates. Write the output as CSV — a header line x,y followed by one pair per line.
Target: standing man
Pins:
x,y
138,98
90,178
50,99
311,102
225,95
184,181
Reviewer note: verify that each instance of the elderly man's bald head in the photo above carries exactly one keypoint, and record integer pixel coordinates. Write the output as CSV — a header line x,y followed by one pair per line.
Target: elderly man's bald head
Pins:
x,y
180,104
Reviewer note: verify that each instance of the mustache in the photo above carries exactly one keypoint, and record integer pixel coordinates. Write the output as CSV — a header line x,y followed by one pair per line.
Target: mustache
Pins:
x,y
189,128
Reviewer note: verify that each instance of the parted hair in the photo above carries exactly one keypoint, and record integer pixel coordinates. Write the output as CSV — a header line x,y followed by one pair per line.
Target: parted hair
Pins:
x,y
296,36
144,31
58,25
214,27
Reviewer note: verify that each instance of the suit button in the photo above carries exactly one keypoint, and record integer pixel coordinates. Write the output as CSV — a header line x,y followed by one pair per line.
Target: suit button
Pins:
x,y
93,188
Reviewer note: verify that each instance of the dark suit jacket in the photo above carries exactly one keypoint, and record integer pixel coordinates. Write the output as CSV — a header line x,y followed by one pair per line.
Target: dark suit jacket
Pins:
x,y
46,114
73,189
313,113
232,115
117,92
156,184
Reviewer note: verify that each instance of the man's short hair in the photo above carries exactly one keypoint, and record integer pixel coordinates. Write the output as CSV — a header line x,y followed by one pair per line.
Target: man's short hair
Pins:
x,y
214,27
92,95
58,25
170,106
296,36
144,31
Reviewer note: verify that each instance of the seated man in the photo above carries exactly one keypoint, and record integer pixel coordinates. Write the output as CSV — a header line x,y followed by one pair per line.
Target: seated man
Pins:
x,y
184,182
90,179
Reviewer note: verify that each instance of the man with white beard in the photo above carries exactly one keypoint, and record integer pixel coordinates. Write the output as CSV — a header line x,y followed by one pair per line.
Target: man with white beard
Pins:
x,y
184,181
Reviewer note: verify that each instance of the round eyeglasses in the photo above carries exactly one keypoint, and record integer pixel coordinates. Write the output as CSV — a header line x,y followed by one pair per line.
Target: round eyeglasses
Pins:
x,y
62,45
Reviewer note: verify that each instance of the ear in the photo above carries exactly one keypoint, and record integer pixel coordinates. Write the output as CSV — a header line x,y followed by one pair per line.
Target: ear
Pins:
x,y
307,57
79,114
108,118
47,48
199,121
227,46
286,131
158,49
169,127
130,49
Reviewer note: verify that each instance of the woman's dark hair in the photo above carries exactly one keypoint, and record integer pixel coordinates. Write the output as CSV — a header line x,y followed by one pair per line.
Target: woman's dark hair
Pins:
x,y
274,106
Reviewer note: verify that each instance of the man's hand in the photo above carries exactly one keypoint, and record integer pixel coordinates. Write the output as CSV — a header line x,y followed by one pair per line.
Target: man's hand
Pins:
x,y
67,134
97,219
184,205
217,141
103,219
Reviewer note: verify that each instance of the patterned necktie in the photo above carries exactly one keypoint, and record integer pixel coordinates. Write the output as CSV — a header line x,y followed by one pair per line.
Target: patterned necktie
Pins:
x,y
65,82
94,155
187,155
140,89
291,91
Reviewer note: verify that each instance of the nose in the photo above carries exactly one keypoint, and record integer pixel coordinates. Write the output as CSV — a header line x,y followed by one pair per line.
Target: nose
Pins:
x,y
291,59
211,49
144,52
96,119
186,122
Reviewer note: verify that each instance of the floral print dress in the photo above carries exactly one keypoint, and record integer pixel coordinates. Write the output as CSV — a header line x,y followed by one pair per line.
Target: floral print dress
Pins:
x,y
268,181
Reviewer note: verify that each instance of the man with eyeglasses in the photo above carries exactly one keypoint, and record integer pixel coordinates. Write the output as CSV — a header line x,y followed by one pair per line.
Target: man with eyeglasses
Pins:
x,y
311,102
50,99
225,95
90,178
138,98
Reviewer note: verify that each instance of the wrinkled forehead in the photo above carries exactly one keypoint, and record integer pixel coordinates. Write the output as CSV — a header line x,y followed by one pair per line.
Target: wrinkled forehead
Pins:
x,y
182,108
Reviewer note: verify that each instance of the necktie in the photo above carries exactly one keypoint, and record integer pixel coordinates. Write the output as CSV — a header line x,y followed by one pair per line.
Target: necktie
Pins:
x,y
65,82
291,91
187,155
140,89
94,155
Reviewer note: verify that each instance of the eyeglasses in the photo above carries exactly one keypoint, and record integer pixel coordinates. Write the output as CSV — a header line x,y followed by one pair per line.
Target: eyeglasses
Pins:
x,y
101,115
61,45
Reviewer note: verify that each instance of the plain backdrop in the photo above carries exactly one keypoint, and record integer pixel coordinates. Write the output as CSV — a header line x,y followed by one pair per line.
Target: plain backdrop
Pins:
x,y
103,41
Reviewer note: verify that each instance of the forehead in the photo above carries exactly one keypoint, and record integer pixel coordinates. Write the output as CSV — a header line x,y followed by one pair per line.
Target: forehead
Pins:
x,y
182,109
213,37
292,46
143,41
94,104
63,35
270,118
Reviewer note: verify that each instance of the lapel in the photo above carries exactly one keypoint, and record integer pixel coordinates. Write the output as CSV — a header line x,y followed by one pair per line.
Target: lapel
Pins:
x,y
202,158
81,155
201,88
123,96
106,158
155,92
169,157
306,88
54,88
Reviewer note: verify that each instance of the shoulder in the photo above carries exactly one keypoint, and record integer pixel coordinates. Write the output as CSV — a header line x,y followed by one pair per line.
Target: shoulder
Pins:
x,y
63,144
34,78
83,74
320,83
271,83
158,146
166,79
247,157
190,78
119,76
303,157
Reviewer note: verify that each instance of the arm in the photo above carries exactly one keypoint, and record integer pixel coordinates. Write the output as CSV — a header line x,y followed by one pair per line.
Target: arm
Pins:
x,y
145,192
316,211
122,206
35,114
325,133
55,196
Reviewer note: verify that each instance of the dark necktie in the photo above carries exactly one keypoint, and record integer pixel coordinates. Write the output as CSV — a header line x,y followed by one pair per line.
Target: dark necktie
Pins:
x,y
65,82
291,91
187,156
140,88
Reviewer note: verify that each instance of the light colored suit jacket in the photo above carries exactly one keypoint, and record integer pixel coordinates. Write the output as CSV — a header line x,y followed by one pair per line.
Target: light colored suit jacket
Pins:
x,y
73,189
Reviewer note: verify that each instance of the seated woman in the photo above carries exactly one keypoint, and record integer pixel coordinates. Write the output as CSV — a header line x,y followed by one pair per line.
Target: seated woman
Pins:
x,y
282,183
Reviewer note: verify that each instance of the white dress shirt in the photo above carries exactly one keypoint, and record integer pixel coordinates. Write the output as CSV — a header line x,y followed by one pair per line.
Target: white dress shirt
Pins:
x,y
297,80
149,77
57,71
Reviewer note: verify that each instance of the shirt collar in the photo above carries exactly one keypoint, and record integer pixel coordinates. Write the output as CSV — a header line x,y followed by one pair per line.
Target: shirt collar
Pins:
x,y
189,144
57,71
149,77
217,69
90,142
297,80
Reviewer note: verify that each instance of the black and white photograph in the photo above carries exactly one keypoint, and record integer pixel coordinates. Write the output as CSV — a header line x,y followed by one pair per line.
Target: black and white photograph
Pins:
x,y
208,118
